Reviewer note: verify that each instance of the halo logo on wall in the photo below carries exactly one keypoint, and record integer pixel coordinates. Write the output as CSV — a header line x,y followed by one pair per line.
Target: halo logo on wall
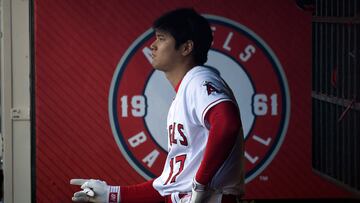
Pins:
x,y
140,97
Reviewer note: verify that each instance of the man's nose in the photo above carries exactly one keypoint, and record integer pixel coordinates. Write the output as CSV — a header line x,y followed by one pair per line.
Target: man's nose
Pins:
x,y
153,46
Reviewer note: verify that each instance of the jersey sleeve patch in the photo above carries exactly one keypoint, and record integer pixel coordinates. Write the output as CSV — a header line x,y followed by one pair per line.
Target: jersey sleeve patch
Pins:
x,y
208,91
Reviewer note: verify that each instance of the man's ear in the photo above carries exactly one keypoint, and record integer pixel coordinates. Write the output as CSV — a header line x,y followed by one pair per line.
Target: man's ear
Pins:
x,y
187,47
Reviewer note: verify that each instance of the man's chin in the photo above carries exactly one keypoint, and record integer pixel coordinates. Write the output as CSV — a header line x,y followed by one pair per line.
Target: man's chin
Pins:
x,y
154,66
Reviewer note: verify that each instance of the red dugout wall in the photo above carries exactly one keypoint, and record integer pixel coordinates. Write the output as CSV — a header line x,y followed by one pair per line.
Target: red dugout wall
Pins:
x,y
100,106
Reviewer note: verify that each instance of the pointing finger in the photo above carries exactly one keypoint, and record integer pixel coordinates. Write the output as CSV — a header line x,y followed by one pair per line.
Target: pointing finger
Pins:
x,y
78,181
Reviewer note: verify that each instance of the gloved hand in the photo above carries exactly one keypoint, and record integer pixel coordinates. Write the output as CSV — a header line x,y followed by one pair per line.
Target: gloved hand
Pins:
x,y
96,191
200,193
186,199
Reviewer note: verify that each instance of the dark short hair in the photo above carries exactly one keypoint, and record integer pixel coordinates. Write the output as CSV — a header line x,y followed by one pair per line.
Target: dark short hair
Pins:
x,y
186,24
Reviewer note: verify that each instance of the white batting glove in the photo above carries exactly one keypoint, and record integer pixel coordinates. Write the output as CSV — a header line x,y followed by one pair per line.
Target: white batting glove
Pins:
x,y
96,191
200,193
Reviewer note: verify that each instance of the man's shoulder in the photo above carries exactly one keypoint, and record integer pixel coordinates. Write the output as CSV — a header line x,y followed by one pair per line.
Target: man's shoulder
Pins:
x,y
200,74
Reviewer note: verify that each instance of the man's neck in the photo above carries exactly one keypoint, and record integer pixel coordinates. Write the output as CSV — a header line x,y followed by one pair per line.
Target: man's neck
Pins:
x,y
177,74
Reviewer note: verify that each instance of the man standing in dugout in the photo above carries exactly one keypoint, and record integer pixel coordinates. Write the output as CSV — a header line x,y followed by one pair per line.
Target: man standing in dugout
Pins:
x,y
203,118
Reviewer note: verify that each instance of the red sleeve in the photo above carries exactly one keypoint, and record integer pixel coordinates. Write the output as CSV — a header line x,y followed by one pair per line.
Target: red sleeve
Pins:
x,y
143,192
225,123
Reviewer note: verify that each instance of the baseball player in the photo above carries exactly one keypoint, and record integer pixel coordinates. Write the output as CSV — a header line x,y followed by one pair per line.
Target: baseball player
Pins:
x,y
205,137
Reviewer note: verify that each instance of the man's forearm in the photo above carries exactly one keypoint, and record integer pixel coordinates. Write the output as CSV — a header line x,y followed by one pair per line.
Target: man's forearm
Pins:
x,y
143,192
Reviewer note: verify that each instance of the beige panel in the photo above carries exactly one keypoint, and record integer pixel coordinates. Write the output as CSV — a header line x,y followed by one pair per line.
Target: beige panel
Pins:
x,y
15,100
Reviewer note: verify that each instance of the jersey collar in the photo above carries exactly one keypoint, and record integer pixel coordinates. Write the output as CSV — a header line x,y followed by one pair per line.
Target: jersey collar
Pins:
x,y
178,85
187,77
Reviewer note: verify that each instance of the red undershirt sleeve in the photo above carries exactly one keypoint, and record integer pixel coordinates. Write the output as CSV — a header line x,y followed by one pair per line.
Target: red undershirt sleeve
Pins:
x,y
225,124
143,192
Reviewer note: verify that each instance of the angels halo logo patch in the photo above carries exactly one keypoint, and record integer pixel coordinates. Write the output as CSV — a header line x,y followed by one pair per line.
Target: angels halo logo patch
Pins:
x,y
140,97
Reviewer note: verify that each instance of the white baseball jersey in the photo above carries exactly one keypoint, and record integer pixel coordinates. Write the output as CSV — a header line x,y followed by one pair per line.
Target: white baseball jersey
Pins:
x,y
200,89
